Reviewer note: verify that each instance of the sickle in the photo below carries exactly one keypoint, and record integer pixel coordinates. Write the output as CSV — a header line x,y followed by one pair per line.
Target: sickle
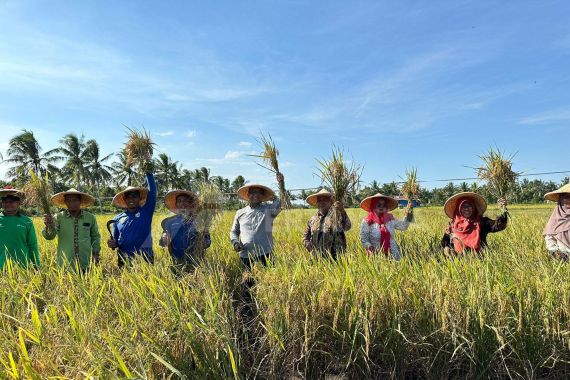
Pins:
x,y
109,223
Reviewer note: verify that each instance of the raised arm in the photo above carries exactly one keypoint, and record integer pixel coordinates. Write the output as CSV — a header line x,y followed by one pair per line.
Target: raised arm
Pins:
x,y
275,207
150,204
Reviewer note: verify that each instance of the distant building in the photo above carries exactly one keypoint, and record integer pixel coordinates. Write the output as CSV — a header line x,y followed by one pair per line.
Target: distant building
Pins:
x,y
403,202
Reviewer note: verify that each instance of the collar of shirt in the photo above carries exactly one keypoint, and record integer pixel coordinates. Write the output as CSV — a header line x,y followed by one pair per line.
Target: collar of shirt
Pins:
x,y
68,214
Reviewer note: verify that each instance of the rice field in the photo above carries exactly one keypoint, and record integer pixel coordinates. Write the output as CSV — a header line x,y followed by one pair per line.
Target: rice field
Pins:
x,y
506,315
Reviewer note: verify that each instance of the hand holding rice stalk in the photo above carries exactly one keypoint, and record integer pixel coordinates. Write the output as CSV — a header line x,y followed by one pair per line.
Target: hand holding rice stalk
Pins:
x,y
341,178
139,150
38,193
210,201
411,190
269,156
498,173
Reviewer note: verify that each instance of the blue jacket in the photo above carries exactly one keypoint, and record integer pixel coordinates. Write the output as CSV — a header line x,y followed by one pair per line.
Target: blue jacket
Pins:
x,y
132,230
183,235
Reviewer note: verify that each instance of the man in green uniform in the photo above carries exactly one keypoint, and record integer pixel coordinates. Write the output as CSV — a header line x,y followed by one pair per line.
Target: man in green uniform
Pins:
x,y
79,241
18,241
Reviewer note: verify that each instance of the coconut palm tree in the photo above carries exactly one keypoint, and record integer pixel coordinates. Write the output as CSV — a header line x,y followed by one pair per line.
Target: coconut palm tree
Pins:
x,y
167,171
123,171
97,170
73,150
26,153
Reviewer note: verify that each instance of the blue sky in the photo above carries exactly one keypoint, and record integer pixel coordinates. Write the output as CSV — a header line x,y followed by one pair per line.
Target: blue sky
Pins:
x,y
397,84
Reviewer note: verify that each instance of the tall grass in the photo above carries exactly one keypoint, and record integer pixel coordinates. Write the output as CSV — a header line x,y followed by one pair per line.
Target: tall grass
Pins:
x,y
506,315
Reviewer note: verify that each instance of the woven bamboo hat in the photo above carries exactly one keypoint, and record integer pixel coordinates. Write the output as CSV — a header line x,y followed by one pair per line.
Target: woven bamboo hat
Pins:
x,y
119,199
452,203
243,192
366,204
170,199
59,198
554,196
312,199
9,190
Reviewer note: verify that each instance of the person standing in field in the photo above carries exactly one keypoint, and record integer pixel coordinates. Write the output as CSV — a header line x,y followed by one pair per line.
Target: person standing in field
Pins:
x,y
179,233
557,230
379,226
468,228
18,241
131,234
324,235
78,238
252,230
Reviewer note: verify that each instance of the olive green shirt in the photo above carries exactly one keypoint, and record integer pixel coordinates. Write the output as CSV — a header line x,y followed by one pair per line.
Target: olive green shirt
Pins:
x,y
78,238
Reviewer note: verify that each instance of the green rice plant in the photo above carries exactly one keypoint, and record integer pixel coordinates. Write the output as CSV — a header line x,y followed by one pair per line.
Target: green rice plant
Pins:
x,y
270,158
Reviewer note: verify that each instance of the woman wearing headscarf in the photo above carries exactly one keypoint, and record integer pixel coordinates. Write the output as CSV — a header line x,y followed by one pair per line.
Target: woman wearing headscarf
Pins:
x,y
378,227
324,236
468,227
557,230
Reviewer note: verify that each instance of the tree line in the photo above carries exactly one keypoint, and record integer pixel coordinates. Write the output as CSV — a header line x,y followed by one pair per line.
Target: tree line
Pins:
x,y
77,162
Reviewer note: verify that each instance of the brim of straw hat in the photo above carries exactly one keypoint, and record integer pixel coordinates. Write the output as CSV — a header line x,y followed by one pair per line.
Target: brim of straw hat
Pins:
x,y
366,204
452,203
243,192
554,196
12,192
59,198
170,199
312,199
119,199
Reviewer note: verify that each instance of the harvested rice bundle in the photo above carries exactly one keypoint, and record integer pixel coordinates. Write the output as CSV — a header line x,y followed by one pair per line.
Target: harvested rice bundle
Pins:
x,y
269,156
210,202
139,149
411,189
497,172
38,193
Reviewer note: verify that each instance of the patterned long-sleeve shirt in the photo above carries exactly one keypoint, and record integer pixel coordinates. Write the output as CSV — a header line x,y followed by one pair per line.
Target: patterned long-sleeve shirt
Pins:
x,y
78,238
324,237
554,245
370,235
253,228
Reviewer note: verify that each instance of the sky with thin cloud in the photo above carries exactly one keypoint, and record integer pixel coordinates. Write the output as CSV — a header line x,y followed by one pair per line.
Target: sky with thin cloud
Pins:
x,y
395,83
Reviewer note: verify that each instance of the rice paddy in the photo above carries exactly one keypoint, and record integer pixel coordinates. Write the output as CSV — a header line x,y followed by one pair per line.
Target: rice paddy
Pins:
x,y
506,315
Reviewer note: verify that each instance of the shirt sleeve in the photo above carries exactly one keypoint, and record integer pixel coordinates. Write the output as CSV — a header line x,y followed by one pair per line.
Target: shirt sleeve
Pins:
x,y
235,231
33,246
401,225
551,243
346,224
95,236
365,234
275,207
496,225
150,204
50,234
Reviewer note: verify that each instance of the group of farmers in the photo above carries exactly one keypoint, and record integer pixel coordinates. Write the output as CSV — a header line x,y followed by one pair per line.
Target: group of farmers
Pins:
x,y
79,239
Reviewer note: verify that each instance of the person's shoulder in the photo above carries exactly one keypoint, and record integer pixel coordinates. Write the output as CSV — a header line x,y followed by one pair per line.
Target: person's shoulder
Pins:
x,y
168,220
89,214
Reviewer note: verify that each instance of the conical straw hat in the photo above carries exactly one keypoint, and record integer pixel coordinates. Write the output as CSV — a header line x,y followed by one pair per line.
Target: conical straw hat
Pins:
x,y
554,196
366,204
119,199
243,191
312,199
170,199
9,190
59,198
452,202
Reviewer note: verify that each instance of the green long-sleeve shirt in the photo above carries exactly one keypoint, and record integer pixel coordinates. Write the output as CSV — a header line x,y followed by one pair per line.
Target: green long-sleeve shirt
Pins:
x,y
18,241
78,238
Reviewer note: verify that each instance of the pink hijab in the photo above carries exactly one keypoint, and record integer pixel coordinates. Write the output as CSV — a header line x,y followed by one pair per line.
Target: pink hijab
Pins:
x,y
559,224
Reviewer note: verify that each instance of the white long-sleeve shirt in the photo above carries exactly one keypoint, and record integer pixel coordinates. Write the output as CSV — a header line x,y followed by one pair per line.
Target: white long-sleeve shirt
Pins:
x,y
370,235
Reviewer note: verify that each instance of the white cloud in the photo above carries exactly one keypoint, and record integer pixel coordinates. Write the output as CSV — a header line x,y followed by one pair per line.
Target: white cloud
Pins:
x,y
548,117
163,134
244,143
190,133
233,154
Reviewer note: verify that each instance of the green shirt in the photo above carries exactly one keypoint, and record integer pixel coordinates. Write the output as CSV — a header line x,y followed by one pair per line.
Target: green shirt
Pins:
x,y
78,238
18,240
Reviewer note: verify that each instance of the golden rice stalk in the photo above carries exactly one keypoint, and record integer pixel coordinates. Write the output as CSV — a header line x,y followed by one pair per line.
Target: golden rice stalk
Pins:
x,y
269,156
497,172
335,173
139,149
210,202
411,188
38,193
